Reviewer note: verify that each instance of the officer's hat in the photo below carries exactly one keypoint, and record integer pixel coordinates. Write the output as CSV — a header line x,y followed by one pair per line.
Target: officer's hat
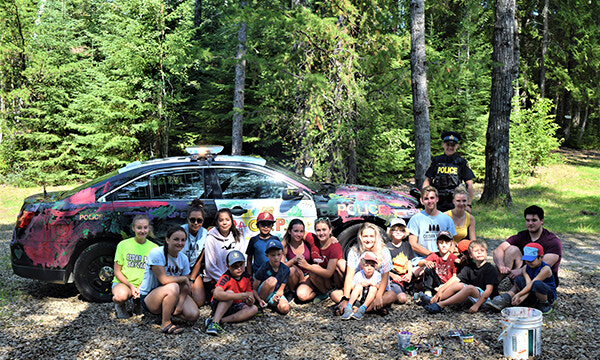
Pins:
x,y
450,136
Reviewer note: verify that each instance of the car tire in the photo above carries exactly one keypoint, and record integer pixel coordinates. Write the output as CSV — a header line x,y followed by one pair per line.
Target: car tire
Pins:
x,y
349,236
94,272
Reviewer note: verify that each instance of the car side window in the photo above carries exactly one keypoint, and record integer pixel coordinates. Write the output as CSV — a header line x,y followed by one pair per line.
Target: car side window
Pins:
x,y
247,184
135,190
176,185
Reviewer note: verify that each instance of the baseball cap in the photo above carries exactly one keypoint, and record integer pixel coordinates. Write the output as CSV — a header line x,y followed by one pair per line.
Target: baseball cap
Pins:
x,y
274,244
463,245
397,221
265,217
234,256
444,235
369,256
531,251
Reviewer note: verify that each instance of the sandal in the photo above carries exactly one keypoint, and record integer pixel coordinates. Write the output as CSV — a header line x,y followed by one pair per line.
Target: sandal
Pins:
x,y
172,329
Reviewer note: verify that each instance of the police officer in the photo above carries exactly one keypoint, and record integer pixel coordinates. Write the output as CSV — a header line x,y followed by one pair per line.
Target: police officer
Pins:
x,y
447,171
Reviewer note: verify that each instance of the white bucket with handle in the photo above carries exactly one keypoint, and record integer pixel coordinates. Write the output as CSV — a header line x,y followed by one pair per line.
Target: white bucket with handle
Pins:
x,y
521,332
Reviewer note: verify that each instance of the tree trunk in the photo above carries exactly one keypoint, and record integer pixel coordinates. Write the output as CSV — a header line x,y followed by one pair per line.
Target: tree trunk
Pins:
x,y
419,90
584,123
505,59
238,93
544,50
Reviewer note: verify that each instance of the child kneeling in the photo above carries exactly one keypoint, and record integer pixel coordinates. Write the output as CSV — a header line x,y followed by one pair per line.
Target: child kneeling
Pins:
x,y
271,278
365,284
535,286
478,282
233,300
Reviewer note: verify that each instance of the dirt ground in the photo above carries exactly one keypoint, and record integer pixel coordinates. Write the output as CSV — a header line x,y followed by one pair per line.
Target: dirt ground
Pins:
x,y
53,322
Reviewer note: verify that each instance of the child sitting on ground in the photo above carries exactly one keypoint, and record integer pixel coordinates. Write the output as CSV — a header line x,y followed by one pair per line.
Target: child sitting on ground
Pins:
x,y
233,300
365,284
477,282
536,283
402,254
438,269
256,247
271,278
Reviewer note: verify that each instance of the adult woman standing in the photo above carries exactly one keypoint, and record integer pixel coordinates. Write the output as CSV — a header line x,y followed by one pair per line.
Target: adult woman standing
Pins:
x,y
194,249
369,239
323,275
464,222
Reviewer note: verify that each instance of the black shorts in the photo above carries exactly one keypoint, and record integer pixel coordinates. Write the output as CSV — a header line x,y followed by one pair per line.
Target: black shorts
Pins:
x,y
235,307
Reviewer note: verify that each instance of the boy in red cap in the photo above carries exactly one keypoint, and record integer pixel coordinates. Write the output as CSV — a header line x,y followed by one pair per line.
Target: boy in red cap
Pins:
x,y
257,246
535,285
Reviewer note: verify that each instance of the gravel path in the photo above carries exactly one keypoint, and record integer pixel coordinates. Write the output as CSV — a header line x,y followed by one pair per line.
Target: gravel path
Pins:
x,y
49,321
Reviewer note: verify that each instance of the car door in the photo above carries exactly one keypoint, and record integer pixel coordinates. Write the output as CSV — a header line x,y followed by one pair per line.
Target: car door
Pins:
x,y
248,192
164,195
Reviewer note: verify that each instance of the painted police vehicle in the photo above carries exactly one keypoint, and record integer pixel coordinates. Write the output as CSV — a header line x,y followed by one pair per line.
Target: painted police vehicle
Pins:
x,y
71,236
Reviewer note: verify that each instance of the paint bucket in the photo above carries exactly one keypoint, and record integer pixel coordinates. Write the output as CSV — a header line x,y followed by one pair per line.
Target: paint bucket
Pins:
x,y
521,332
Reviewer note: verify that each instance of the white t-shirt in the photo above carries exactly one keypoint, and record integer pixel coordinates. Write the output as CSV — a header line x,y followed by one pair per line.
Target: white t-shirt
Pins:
x,y
427,227
179,266
360,277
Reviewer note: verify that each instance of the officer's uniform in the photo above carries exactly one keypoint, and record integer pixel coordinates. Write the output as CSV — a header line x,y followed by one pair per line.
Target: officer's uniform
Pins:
x,y
447,172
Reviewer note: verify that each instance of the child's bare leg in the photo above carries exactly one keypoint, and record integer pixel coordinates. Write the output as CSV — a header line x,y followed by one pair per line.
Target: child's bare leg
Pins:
x,y
321,284
267,287
370,296
460,296
246,313
190,311
355,294
283,307
295,278
305,291
221,309
184,291
163,300
198,292
453,289
121,293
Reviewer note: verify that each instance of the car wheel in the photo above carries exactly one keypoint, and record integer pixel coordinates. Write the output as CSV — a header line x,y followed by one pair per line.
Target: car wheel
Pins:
x,y
94,272
348,237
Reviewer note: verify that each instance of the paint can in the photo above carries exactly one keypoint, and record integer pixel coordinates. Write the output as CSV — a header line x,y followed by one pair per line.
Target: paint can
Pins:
x,y
403,340
436,350
522,332
466,338
410,351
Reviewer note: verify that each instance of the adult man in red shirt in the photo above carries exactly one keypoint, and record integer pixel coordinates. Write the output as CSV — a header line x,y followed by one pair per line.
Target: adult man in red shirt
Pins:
x,y
507,256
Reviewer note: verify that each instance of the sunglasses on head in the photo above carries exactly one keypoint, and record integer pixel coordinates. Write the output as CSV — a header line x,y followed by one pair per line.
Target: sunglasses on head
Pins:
x,y
196,220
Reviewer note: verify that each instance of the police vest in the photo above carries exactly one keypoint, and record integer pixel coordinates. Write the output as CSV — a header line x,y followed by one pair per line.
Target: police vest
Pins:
x,y
446,177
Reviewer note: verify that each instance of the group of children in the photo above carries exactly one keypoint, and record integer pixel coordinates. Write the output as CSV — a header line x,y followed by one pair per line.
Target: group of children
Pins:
x,y
166,280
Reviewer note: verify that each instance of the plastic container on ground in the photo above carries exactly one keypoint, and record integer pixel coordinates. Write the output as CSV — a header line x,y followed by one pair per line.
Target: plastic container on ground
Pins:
x,y
521,332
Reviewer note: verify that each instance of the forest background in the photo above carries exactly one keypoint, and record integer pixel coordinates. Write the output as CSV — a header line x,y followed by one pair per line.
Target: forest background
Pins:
x,y
88,86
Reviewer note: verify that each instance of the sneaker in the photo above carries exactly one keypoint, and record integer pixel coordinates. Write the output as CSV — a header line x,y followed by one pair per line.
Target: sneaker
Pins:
x,y
501,301
347,313
359,314
137,307
214,329
545,307
433,308
207,322
425,298
121,311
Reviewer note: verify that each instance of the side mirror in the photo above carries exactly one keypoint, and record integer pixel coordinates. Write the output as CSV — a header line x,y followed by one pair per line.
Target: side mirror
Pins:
x,y
291,194
416,193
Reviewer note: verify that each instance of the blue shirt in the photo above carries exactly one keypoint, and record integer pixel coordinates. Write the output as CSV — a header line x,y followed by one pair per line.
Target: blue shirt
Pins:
x,y
533,272
257,248
266,271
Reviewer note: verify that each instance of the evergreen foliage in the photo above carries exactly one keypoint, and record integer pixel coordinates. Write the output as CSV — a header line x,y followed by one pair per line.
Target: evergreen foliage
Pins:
x,y
88,86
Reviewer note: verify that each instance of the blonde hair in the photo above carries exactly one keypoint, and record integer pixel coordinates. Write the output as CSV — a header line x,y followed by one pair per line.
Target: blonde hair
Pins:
x,y
377,247
143,217
478,242
461,190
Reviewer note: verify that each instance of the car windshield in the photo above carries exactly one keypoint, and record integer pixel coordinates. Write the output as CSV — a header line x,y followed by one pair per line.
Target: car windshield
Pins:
x,y
314,186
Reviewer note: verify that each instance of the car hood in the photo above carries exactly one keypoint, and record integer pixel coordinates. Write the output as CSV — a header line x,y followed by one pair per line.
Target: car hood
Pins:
x,y
352,202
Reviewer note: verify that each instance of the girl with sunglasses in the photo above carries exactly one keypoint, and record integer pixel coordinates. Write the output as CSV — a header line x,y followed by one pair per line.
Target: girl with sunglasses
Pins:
x,y
194,249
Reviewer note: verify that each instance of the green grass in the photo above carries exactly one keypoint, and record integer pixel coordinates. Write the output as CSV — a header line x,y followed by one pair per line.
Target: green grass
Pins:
x,y
563,190
11,200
